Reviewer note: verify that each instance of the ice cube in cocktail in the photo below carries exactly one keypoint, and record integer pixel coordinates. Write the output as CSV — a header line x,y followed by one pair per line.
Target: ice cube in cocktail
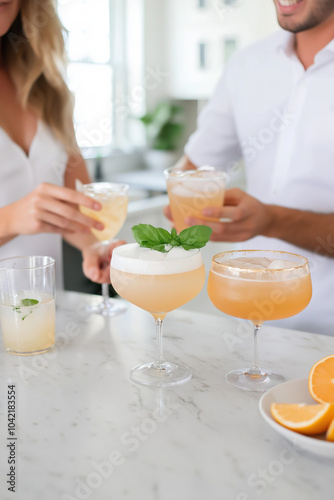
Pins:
x,y
190,191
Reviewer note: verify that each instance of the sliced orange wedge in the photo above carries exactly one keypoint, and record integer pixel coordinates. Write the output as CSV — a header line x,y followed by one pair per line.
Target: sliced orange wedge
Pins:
x,y
321,380
330,431
306,419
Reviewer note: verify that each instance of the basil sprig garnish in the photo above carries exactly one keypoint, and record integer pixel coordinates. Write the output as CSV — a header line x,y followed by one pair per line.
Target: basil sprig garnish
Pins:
x,y
161,240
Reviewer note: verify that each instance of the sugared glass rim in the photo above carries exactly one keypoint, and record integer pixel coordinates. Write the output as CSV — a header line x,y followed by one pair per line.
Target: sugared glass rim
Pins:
x,y
230,252
26,268
104,187
205,168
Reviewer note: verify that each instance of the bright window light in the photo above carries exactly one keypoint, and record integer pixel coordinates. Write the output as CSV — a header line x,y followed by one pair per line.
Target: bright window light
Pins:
x,y
97,67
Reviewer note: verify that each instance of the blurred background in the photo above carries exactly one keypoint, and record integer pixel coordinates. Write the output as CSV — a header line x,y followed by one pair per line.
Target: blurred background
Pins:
x,y
141,71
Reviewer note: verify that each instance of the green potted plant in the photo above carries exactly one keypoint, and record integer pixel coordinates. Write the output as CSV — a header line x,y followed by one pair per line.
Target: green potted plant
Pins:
x,y
164,131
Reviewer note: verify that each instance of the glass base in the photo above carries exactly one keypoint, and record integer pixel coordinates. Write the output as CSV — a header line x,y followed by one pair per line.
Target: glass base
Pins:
x,y
160,375
253,382
30,353
109,308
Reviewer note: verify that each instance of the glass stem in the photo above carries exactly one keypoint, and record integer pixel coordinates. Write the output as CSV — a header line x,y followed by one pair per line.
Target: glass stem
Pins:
x,y
105,292
256,369
160,362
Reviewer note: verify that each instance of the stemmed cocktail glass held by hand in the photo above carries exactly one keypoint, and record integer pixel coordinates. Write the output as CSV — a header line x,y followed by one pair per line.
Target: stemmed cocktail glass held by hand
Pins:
x,y
259,285
160,273
114,200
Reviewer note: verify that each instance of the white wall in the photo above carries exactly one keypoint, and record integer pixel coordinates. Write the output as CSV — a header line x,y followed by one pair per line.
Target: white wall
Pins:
x,y
187,26
172,31
155,50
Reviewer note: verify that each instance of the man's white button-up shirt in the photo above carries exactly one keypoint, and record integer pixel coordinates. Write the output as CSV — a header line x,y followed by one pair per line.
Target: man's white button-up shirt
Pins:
x,y
278,117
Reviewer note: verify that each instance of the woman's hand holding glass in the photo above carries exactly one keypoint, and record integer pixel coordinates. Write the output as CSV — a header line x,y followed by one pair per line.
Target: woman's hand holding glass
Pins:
x,y
52,209
114,200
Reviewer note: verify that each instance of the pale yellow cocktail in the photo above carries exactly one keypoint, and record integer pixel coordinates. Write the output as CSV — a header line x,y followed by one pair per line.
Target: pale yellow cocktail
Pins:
x,y
114,200
113,212
191,191
27,304
28,329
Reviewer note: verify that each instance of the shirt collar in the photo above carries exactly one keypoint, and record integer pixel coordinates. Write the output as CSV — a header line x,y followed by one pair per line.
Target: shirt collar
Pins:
x,y
286,43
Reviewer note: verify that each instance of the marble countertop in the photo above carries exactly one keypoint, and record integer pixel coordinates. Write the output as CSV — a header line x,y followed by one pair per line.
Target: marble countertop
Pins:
x,y
85,431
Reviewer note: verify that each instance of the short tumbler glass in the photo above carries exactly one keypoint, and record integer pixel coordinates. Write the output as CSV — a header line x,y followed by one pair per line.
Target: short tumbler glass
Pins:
x,y
27,304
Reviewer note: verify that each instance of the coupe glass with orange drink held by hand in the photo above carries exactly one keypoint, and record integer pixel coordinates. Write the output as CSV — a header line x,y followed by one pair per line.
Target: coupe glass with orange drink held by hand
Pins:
x,y
160,273
259,285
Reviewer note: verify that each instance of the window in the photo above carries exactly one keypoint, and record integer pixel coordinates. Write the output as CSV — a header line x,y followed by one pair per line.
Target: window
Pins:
x,y
230,47
202,55
97,47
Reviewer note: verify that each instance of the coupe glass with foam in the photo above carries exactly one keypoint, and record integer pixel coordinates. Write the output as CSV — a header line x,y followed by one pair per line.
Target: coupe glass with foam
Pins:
x,y
158,283
259,285
190,191
114,200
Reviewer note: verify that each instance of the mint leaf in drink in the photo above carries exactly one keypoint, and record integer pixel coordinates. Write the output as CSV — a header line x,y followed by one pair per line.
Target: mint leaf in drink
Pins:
x,y
195,237
25,303
157,238
24,317
29,302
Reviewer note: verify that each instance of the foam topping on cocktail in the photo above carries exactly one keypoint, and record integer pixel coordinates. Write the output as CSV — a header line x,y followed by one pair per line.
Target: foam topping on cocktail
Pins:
x,y
132,258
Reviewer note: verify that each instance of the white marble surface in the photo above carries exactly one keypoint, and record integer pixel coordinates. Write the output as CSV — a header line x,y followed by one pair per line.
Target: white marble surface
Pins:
x,y
77,412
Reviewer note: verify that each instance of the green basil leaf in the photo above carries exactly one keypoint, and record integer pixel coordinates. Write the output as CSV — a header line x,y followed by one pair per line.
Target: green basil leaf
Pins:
x,y
195,237
162,248
161,240
149,236
174,234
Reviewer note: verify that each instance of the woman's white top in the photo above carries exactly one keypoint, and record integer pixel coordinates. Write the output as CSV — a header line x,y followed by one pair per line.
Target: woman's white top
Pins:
x,y
19,175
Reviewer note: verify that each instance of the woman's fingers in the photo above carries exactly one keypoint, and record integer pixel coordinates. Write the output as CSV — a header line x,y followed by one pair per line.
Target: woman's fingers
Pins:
x,y
61,222
69,214
96,262
68,195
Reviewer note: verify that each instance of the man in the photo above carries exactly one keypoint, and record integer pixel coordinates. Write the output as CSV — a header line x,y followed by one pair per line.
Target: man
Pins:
x,y
274,107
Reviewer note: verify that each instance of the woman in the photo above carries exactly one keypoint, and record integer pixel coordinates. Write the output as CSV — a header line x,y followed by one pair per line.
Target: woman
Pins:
x,y
38,150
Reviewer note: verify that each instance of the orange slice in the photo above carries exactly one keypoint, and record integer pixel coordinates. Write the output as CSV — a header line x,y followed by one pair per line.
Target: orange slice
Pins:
x,y
330,431
321,380
306,419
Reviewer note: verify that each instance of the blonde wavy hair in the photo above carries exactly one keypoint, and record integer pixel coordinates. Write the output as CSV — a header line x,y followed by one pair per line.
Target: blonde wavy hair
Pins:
x,y
33,51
